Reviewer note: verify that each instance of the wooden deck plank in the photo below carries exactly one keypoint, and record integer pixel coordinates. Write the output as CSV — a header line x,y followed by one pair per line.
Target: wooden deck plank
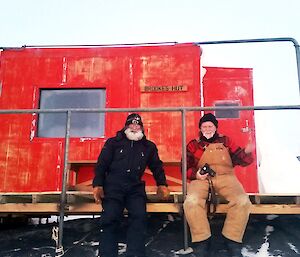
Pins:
x,y
85,208
92,208
81,202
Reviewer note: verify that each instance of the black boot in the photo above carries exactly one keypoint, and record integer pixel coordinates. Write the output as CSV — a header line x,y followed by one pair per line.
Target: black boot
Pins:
x,y
201,249
234,248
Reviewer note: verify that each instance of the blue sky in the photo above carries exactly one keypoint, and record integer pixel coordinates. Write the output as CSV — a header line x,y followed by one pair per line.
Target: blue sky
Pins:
x,y
47,22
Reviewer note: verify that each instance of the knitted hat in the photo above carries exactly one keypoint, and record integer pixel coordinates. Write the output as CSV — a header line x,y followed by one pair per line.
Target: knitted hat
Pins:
x,y
208,117
134,118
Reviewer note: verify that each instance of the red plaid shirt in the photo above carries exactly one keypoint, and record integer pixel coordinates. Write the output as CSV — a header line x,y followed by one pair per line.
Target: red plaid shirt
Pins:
x,y
195,149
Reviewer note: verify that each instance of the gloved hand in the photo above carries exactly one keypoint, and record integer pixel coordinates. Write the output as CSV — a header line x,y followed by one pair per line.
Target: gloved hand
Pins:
x,y
98,193
163,192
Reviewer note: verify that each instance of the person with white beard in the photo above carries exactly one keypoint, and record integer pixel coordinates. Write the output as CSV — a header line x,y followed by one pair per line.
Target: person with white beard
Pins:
x,y
117,185
210,168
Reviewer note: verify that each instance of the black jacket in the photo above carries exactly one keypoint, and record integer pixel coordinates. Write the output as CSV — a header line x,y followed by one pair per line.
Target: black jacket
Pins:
x,y
124,161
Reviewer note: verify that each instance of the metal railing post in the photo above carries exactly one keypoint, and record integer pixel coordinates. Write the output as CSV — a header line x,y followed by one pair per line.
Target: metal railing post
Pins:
x,y
59,250
297,49
183,172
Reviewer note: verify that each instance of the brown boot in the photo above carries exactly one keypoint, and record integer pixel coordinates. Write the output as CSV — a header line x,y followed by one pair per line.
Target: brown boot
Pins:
x,y
201,249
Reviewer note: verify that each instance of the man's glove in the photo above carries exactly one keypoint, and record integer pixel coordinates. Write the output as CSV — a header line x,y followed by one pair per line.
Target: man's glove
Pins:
x,y
163,192
98,194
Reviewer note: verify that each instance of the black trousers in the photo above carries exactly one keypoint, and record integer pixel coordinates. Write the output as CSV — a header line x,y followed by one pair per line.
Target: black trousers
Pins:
x,y
133,198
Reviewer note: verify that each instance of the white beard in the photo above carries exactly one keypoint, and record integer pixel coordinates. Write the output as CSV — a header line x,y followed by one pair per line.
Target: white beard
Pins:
x,y
208,135
135,136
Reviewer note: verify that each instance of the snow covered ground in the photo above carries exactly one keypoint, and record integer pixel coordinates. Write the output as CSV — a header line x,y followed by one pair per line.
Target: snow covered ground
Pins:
x,y
266,235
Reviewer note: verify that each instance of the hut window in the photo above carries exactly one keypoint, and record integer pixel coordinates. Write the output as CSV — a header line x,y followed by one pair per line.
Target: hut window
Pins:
x,y
82,124
224,114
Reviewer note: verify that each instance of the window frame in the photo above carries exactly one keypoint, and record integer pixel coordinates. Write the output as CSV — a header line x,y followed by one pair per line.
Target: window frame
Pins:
x,y
34,131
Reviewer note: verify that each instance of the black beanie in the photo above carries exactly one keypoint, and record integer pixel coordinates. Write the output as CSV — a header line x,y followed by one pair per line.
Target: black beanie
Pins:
x,y
208,117
134,118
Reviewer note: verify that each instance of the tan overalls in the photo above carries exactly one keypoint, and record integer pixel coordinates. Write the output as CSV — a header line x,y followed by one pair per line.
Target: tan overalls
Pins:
x,y
227,185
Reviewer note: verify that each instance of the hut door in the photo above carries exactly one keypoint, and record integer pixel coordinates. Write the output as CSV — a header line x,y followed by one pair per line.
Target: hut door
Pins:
x,y
233,87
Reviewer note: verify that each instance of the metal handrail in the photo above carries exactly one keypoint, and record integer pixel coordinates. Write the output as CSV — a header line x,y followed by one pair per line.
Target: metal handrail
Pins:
x,y
262,40
183,111
160,109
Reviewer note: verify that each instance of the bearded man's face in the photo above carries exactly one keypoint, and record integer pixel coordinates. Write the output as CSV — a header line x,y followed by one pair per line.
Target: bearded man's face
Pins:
x,y
134,132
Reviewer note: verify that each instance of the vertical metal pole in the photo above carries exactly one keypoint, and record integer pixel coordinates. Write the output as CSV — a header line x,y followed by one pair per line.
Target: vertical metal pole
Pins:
x,y
297,48
64,184
183,172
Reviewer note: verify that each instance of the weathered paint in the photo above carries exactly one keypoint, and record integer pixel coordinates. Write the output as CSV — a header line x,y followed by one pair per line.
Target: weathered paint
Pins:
x,y
30,163
234,85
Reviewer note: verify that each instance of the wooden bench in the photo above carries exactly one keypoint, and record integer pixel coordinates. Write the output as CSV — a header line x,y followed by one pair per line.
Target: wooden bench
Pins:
x,y
79,199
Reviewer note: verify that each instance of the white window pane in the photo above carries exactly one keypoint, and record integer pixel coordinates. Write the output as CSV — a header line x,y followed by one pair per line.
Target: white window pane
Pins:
x,y
82,124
